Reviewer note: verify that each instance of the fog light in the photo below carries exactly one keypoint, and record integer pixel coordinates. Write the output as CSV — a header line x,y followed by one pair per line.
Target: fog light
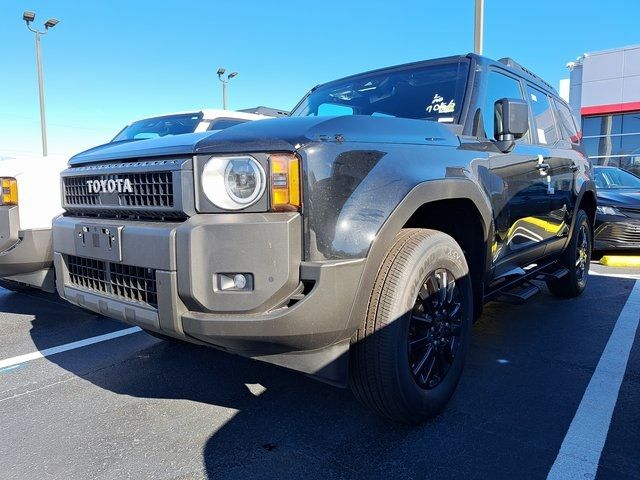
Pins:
x,y
238,282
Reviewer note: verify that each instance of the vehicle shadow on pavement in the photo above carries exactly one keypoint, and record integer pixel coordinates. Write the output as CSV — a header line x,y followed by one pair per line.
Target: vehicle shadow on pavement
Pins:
x,y
510,412
517,396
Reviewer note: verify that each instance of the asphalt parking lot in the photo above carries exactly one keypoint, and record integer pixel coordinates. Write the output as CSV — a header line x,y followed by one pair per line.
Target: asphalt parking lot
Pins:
x,y
137,407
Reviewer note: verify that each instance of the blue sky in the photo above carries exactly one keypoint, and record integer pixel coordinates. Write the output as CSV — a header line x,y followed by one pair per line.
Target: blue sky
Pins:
x,y
110,62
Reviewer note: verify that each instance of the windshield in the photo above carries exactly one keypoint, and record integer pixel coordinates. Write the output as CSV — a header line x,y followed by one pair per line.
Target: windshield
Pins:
x,y
160,127
425,92
615,178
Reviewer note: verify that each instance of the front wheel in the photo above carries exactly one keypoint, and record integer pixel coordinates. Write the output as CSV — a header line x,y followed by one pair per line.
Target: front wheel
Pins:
x,y
407,355
576,259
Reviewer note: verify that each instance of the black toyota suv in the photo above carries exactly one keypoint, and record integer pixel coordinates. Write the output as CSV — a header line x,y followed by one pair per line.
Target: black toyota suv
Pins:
x,y
356,240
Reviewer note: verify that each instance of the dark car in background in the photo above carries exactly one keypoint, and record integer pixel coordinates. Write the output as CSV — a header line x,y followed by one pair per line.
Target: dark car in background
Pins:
x,y
618,212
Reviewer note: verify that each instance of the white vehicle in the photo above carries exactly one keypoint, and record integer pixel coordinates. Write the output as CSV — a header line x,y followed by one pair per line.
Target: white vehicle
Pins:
x,y
184,122
26,213
30,196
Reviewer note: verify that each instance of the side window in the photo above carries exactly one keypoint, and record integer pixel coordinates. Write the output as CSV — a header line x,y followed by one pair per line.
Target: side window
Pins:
x,y
569,130
498,86
545,123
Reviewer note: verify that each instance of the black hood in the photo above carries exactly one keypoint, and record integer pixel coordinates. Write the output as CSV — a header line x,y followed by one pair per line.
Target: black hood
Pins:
x,y
278,134
621,197
293,132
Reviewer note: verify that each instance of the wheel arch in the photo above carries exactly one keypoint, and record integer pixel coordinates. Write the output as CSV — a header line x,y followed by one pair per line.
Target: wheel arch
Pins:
x,y
453,195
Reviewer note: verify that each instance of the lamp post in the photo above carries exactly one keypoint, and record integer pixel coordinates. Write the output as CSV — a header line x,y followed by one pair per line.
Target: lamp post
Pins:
x,y
478,34
221,72
29,17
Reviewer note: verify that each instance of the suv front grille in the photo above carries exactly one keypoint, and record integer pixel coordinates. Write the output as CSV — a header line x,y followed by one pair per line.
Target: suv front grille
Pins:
x,y
136,284
153,189
143,190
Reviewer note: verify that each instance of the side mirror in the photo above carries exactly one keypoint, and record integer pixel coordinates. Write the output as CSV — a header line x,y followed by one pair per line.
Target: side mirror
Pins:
x,y
511,122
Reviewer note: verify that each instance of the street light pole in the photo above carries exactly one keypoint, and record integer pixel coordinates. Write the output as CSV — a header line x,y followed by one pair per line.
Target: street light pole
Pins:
x,y
224,84
43,119
224,95
478,34
29,17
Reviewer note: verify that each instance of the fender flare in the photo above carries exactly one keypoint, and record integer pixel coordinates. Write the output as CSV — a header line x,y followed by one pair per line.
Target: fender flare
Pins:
x,y
421,194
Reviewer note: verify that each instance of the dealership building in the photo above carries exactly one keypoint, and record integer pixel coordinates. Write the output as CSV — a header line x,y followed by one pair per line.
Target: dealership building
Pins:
x,y
604,91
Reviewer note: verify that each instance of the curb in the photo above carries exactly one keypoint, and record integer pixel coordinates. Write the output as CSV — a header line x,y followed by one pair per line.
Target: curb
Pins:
x,y
620,261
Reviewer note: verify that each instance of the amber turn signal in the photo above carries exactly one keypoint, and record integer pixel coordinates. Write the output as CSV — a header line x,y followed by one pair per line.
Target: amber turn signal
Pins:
x,y
285,182
9,194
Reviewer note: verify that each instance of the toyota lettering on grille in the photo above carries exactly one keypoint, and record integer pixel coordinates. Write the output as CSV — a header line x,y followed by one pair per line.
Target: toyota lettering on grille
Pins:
x,y
110,185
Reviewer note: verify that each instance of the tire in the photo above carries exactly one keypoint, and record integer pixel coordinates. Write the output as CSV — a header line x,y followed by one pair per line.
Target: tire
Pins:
x,y
382,360
578,250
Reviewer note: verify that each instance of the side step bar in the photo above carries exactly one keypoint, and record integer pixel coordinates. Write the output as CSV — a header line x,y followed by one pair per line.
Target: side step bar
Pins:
x,y
520,289
519,294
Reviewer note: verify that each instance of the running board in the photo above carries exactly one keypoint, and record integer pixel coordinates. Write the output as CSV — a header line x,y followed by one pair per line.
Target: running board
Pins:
x,y
520,289
519,294
555,274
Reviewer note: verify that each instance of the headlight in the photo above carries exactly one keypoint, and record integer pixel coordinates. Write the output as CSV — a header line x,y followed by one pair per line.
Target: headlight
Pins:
x,y
233,183
9,191
606,210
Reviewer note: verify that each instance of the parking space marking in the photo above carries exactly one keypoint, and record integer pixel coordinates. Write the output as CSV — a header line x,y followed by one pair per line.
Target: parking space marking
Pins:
x,y
9,362
582,446
629,276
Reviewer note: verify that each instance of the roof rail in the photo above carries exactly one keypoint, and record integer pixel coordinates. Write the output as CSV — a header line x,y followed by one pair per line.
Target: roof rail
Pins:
x,y
510,62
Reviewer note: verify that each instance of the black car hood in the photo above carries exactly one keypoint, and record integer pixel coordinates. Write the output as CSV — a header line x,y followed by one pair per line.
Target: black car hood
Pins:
x,y
293,132
278,134
622,197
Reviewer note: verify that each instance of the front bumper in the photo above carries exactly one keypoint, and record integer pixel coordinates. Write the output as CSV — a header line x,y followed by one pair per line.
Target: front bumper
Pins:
x,y
25,255
296,315
616,233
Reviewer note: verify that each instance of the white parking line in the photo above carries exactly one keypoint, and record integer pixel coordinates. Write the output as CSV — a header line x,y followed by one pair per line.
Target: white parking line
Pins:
x,y
66,347
629,276
582,446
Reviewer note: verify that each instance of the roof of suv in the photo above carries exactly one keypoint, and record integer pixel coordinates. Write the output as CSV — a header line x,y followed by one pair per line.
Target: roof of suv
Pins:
x,y
506,63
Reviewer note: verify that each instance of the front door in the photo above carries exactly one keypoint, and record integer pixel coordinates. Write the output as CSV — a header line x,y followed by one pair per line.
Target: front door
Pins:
x,y
521,220
560,160
519,192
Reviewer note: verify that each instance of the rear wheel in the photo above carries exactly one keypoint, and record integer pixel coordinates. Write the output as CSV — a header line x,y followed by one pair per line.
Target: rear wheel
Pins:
x,y
407,355
577,259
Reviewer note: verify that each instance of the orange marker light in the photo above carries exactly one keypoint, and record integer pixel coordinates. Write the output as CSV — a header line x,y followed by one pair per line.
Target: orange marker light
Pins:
x,y
285,182
9,193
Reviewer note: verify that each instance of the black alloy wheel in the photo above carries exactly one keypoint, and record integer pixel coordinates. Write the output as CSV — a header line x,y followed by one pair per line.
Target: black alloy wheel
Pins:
x,y
434,329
